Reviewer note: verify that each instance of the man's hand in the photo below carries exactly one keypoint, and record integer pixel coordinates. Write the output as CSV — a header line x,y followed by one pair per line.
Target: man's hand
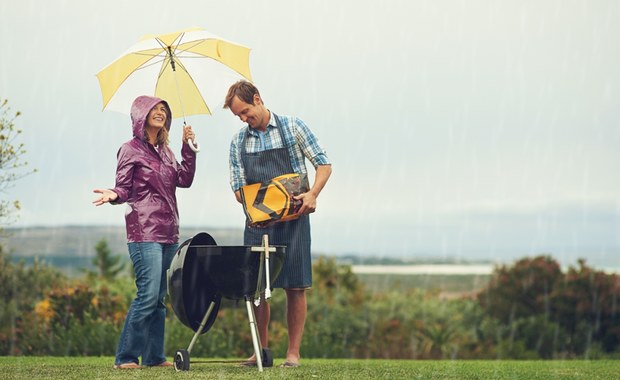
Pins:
x,y
308,203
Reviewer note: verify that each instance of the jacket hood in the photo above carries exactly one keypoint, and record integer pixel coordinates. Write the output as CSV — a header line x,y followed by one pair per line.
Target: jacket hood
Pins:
x,y
140,110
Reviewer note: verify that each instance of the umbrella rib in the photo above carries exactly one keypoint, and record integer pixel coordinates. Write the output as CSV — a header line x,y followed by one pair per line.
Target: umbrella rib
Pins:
x,y
180,38
171,54
164,59
151,64
189,47
182,66
196,43
149,55
167,60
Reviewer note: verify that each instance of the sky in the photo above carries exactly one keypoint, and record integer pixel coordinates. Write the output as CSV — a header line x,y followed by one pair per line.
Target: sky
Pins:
x,y
475,130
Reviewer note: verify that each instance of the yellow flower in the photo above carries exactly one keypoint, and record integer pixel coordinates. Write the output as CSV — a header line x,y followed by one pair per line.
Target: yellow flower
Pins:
x,y
43,309
118,317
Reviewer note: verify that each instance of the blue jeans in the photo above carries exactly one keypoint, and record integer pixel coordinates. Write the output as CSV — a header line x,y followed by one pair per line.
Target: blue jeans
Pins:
x,y
143,332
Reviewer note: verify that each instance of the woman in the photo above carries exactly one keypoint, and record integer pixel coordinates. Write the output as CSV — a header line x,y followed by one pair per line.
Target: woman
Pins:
x,y
147,175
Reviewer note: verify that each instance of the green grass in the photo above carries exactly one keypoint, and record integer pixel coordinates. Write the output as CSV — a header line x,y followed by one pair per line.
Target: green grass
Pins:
x,y
32,368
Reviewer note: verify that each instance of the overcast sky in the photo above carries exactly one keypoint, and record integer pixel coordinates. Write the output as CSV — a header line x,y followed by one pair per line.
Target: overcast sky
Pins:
x,y
470,129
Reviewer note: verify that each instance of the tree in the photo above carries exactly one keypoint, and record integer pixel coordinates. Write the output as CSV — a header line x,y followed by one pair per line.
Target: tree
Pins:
x,y
108,265
585,304
552,313
520,298
521,290
11,164
437,339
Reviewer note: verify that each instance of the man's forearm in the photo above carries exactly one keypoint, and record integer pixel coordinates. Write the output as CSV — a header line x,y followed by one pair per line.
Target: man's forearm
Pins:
x,y
322,175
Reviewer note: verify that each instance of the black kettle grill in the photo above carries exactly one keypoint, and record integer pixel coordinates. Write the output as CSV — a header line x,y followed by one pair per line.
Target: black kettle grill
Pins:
x,y
201,273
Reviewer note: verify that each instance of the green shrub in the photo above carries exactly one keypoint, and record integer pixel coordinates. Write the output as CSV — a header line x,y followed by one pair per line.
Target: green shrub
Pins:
x,y
527,311
22,287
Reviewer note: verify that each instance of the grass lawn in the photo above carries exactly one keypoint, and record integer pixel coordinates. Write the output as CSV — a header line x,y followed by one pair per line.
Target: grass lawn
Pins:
x,y
101,368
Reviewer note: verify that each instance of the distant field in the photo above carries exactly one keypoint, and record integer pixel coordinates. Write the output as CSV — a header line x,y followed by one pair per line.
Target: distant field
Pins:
x,y
375,282
445,283
34,368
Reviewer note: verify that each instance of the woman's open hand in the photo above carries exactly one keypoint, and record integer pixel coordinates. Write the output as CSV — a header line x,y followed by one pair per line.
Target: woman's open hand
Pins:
x,y
106,196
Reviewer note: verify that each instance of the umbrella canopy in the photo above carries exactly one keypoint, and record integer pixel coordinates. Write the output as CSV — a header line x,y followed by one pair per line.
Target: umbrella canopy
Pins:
x,y
191,69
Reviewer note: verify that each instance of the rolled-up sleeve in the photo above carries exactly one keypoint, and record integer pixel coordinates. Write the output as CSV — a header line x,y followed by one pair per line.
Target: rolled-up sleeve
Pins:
x,y
237,173
310,145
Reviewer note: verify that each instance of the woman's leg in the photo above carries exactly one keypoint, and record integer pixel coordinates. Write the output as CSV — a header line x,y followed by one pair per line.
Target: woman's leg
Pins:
x,y
147,262
154,349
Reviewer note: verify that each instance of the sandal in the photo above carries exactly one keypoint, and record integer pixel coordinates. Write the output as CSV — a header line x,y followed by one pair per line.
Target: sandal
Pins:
x,y
130,365
288,364
164,364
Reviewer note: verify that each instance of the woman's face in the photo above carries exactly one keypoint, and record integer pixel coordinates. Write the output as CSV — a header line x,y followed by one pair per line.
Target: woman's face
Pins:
x,y
157,116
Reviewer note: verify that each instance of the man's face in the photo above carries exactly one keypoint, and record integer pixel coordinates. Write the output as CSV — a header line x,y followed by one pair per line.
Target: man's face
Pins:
x,y
252,114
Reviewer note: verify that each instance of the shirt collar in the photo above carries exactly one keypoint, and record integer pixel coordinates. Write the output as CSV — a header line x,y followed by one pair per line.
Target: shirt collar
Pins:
x,y
272,124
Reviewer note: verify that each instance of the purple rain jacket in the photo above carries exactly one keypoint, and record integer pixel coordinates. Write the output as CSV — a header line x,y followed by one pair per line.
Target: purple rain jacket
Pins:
x,y
147,178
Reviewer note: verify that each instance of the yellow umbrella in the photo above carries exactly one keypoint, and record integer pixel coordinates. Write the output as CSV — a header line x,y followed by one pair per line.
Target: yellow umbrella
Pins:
x,y
191,69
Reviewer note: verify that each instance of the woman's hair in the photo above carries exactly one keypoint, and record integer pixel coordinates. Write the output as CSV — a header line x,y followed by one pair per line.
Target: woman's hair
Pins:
x,y
162,137
244,90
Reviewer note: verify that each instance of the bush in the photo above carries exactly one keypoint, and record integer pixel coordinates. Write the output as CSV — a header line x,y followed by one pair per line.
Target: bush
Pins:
x,y
551,313
528,311
22,287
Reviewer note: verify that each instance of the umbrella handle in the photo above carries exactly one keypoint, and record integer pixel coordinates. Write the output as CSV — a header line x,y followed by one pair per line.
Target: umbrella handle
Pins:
x,y
193,147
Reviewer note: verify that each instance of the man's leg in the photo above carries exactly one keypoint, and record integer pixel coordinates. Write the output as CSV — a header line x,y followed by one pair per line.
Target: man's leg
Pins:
x,y
296,309
263,315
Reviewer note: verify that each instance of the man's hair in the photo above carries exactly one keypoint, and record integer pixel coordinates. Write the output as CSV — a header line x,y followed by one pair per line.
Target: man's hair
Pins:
x,y
244,90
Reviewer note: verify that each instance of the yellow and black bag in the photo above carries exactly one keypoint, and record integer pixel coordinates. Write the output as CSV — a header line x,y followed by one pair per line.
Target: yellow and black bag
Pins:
x,y
272,201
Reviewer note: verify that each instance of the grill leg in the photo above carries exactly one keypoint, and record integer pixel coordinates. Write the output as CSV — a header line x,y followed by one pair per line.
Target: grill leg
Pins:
x,y
267,271
255,337
201,327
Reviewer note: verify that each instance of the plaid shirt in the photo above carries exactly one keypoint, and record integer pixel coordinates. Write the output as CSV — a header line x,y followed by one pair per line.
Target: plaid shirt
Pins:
x,y
299,138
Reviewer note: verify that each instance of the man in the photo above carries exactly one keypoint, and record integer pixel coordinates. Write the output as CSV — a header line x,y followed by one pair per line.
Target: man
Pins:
x,y
269,146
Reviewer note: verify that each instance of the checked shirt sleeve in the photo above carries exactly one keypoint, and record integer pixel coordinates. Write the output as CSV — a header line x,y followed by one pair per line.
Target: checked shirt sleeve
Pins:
x,y
309,144
237,173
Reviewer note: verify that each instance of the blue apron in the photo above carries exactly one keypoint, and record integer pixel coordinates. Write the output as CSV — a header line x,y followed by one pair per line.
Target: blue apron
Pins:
x,y
294,234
